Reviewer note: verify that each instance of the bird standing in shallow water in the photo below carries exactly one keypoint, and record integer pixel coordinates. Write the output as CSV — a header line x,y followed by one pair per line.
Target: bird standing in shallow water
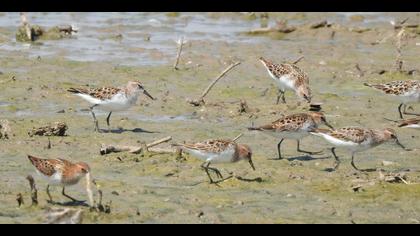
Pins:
x,y
288,77
63,173
296,126
111,99
355,139
217,151
407,91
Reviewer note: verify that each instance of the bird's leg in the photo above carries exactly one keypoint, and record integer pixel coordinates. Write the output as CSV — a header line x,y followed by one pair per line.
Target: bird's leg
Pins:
x,y
107,121
409,113
95,121
67,196
206,167
337,161
278,148
303,151
281,95
352,163
399,110
49,195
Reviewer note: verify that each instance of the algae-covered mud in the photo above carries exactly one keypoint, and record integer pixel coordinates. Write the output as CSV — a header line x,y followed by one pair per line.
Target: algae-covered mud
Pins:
x,y
111,49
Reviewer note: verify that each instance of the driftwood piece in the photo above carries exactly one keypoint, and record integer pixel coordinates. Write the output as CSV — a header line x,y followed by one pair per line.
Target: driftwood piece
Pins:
x,y
5,130
400,177
56,129
180,45
281,27
34,190
106,149
63,216
200,101
320,24
67,29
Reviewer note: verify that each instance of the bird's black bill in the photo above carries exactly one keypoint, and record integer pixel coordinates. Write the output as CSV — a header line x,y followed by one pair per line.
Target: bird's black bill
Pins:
x,y
402,146
329,125
148,94
252,164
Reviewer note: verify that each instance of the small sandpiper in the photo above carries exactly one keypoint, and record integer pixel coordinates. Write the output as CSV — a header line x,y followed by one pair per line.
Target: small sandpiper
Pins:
x,y
355,139
217,151
288,77
63,173
407,91
111,99
296,126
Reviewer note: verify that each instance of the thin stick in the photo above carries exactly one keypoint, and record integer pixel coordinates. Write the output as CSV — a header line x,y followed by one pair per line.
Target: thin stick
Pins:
x,y
237,137
180,44
217,79
106,149
298,60
34,191
157,142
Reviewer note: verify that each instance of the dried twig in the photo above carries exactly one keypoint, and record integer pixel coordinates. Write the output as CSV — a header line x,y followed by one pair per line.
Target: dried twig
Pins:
x,y
200,101
237,137
401,37
361,73
34,191
106,149
298,60
180,45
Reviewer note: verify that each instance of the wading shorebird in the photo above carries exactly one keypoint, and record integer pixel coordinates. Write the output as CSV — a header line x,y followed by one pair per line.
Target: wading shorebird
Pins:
x,y
63,173
355,139
296,126
288,77
407,91
217,151
111,99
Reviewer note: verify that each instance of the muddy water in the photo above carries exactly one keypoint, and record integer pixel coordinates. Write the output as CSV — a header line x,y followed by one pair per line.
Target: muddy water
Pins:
x,y
159,188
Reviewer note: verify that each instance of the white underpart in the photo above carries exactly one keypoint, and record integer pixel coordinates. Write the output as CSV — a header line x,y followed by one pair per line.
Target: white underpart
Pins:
x,y
411,96
348,145
118,102
223,157
54,179
284,82
412,126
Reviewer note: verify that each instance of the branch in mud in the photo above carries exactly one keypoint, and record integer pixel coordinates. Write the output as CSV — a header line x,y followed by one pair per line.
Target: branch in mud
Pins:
x,y
180,45
106,149
34,191
298,60
200,101
281,26
56,129
19,199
